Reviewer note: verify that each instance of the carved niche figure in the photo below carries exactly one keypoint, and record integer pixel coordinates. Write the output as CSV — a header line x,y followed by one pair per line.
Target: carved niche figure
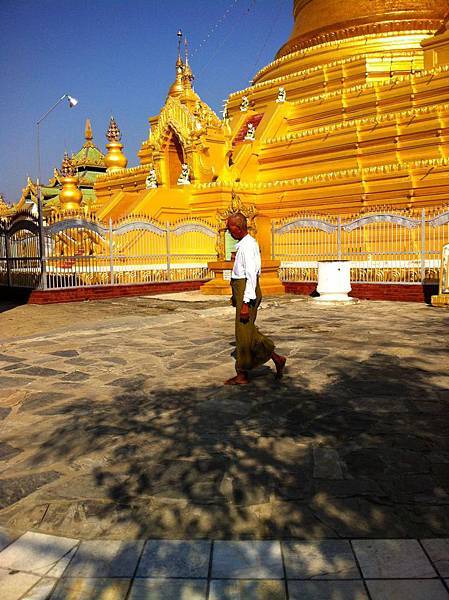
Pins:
x,y
251,133
151,180
245,104
282,95
184,178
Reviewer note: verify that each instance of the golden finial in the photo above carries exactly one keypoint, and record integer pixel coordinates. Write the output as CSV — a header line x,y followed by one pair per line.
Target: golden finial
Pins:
x,y
177,87
70,196
113,134
188,76
179,61
114,159
67,168
88,131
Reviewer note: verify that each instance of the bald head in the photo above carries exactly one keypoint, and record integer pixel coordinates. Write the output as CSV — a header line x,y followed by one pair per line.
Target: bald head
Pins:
x,y
237,225
239,219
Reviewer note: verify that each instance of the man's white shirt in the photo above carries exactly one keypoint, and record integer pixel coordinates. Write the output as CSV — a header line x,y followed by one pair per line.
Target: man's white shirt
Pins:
x,y
247,265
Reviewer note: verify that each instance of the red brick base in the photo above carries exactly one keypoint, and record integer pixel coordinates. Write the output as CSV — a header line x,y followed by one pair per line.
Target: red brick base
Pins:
x,y
26,296
374,291
364,291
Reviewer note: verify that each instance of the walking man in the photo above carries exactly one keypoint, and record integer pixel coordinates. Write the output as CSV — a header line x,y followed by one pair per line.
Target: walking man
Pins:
x,y
252,347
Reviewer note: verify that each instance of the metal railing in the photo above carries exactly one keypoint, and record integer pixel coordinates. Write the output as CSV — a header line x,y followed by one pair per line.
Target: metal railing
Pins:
x,y
82,251
383,246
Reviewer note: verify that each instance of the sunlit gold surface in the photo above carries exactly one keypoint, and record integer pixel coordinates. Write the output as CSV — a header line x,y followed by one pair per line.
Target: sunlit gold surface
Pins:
x,y
366,123
318,21
70,196
114,159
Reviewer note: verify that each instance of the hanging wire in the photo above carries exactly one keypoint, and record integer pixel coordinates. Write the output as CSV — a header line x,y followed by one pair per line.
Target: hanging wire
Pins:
x,y
237,22
274,23
214,28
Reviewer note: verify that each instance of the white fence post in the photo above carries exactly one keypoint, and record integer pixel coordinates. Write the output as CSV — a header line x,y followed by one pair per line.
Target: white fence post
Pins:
x,y
423,245
167,238
8,259
111,251
339,237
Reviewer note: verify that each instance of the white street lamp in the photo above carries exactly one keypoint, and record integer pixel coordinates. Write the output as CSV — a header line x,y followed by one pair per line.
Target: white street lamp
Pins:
x,y
72,102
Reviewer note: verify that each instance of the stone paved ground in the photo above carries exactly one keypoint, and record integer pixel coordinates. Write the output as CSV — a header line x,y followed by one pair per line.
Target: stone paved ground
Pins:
x,y
120,427
44,567
115,425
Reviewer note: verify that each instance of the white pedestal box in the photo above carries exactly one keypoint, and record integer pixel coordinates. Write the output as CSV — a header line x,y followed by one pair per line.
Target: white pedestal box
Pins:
x,y
334,281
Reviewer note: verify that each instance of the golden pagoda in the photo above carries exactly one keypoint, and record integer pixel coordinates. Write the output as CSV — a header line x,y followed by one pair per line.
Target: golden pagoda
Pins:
x,y
70,196
352,113
88,163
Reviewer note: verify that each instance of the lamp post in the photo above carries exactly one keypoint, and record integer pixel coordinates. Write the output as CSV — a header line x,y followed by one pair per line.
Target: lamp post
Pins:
x,y
72,102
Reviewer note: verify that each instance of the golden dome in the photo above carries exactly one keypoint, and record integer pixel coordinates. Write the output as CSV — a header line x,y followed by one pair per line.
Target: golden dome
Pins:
x,y
114,159
70,196
318,21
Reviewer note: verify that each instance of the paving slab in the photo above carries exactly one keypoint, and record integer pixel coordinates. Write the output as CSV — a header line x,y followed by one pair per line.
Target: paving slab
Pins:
x,y
36,552
58,570
348,445
329,559
247,590
42,590
168,589
6,537
327,590
91,589
411,590
247,560
14,584
438,550
327,464
105,558
174,558
392,559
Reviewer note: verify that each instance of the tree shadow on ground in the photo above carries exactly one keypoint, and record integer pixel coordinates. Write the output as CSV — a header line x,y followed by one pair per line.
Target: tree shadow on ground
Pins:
x,y
365,456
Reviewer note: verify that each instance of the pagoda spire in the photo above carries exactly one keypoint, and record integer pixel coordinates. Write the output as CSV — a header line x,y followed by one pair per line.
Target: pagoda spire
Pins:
x,y
88,131
113,133
70,196
88,135
177,87
179,62
114,159
188,76
67,168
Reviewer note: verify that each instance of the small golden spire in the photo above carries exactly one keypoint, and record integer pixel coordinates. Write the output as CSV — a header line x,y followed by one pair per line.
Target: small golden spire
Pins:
x,y
114,159
177,87
179,61
113,133
67,168
188,76
88,131
70,196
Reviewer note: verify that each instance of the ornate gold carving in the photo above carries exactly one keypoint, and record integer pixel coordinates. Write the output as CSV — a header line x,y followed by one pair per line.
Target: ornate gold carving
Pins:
x,y
236,206
113,133
186,124
67,168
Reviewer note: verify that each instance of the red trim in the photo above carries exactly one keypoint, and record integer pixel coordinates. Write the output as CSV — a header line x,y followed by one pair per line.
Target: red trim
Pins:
x,y
363,291
374,291
240,136
79,294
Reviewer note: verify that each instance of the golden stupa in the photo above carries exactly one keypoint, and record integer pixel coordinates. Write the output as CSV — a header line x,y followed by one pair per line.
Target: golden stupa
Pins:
x,y
352,113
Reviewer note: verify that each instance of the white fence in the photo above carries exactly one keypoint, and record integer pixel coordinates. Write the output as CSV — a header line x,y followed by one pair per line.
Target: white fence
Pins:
x,y
382,246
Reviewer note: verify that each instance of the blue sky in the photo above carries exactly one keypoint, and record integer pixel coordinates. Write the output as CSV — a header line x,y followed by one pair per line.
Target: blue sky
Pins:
x,y
117,57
